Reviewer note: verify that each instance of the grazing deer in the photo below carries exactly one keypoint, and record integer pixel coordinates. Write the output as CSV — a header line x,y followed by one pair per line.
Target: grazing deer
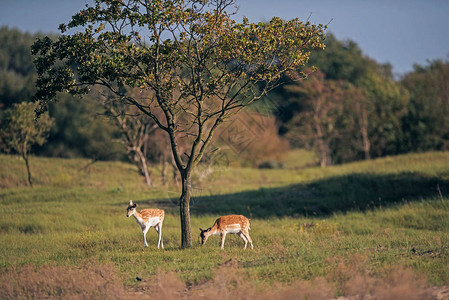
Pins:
x,y
236,224
148,218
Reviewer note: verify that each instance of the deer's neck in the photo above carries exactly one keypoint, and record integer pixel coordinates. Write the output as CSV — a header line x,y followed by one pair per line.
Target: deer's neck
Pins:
x,y
214,230
138,216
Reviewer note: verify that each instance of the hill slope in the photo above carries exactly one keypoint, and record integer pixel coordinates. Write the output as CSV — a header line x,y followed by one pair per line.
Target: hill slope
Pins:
x,y
364,219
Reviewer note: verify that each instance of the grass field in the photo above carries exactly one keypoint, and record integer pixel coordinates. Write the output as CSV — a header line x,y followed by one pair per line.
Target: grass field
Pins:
x,y
381,225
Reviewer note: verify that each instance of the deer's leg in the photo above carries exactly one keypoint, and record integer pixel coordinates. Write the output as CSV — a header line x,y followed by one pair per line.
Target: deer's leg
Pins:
x,y
246,234
223,237
144,232
158,229
160,232
240,234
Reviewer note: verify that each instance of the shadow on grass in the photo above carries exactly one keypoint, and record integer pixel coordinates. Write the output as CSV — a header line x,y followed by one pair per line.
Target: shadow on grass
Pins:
x,y
354,192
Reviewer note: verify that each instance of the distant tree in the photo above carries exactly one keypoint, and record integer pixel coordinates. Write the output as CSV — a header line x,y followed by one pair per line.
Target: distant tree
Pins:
x,y
361,115
21,131
17,73
343,60
375,103
386,102
135,133
200,65
371,103
15,51
78,132
370,124
135,129
426,125
353,140
81,131
321,106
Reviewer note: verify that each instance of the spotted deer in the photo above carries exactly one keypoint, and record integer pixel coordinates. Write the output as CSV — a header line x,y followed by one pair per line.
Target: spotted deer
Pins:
x,y
235,224
146,219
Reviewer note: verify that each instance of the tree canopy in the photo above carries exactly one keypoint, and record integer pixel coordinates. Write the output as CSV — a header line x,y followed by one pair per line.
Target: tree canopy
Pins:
x,y
21,130
426,124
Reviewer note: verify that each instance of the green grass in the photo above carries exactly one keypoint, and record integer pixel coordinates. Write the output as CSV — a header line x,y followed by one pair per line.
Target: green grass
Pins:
x,y
305,221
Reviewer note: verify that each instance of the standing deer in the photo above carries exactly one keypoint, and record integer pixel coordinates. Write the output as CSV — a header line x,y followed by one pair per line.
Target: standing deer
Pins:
x,y
236,224
146,219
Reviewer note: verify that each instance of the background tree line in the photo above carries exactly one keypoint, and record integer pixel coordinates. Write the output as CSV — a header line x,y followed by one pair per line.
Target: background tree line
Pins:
x,y
352,108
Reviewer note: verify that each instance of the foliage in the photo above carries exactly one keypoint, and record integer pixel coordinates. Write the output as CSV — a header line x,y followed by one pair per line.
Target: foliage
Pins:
x,y
21,130
17,74
77,126
362,107
15,51
371,122
321,103
81,131
426,124
343,60
387,103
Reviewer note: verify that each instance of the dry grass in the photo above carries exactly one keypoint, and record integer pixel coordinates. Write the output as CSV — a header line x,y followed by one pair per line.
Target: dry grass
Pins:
x,y
91,281
351,280
230,282
356,281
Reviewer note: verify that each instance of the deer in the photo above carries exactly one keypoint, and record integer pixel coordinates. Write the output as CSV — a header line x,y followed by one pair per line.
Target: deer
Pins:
x,y
234,224
146,219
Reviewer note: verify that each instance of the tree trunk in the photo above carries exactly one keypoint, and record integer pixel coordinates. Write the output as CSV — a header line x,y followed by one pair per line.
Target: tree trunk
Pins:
x,y
362,118
322,144
325,156
163,168
184,210
366,143
142,162
25,157
364,132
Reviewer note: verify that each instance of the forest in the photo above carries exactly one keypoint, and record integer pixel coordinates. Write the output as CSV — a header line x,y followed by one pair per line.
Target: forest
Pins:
x,y
351,108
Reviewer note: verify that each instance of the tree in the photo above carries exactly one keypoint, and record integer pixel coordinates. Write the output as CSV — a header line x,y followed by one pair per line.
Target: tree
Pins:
x,y
386,103
76,129
200,65
352,124
17,74
426,124
361,115
21,130
321,106
135,129
372,104
344,60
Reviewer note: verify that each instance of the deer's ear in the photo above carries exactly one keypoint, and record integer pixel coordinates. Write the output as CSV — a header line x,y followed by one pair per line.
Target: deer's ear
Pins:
x,y
134,205
201,229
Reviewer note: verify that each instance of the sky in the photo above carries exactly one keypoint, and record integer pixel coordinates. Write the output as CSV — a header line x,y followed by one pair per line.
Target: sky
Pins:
x,y
399,32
